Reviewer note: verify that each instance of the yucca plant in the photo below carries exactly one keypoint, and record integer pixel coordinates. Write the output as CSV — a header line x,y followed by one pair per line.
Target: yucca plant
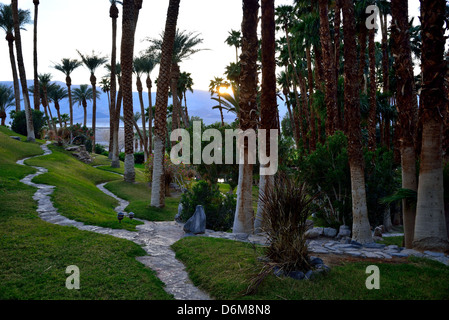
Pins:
x,y
287,206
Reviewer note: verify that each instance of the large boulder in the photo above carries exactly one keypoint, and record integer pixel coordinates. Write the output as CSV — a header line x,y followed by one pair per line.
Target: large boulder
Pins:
x,y
197,223
314,233
330,232
344,231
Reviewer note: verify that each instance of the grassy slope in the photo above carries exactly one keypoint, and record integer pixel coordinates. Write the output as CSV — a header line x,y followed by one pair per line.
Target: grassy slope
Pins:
x,y
34,254
224,268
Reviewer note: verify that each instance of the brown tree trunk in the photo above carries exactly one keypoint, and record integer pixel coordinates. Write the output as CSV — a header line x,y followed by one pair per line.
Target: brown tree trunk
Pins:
x,y
361,228
127,55
10,39
329,68
150,117
22,74
160,120
430,228
244,214
372,97
142,110
113,14
35,61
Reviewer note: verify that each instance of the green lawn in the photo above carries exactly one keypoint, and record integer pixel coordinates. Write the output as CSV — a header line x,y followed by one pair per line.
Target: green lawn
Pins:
x,y
224,268
34,254
139,197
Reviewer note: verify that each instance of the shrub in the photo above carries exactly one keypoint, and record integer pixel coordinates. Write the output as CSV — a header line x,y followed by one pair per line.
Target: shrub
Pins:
x,y
19,122
219,208
139,157
286,207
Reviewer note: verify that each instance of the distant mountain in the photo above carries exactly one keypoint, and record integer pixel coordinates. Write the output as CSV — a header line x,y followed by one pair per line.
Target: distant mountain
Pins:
x,y
199,103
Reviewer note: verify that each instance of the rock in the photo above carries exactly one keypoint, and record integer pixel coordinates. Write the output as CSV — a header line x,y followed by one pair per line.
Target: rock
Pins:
x,y
314,261
330,232
313,233
71,149
344,231
378,232
376,238
278,272
83,155
241,236
16,138
197,223
178,215
374,245
297,275
309,275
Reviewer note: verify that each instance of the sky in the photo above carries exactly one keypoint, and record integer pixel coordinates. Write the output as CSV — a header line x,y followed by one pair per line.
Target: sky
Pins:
x,y
85,25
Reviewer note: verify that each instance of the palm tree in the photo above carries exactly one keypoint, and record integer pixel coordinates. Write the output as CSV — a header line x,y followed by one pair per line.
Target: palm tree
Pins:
x,y
235,40
6,101
160,120
113,14
36,76
44,82
185,83
215,87
7,24
139,70
430,228
406,104
268,103
67,66
361,227
82,95
65,118
148,65
244,214
92,62
372,91
127,55
56,93
22,73
184,47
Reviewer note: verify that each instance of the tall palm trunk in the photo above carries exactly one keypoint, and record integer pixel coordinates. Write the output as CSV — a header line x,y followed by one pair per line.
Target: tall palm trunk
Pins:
x,y
115,158
68,82
150,116
268,106
23,78
85,113
361,227
113,14
36,77
329,68
430,228
174,90
143,118
93,81
372,97
160,120
58,111
244,214
10,38
312,123
406,104
127,54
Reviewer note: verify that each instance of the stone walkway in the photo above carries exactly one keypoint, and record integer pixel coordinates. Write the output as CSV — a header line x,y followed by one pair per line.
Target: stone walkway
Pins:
x,y
157,237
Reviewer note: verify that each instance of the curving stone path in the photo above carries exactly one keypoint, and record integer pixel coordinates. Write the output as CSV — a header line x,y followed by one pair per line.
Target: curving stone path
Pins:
x,y
155,237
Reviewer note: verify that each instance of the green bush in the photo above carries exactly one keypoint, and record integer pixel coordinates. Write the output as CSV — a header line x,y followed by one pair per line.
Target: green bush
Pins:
x,y
139,157
19,124
219,208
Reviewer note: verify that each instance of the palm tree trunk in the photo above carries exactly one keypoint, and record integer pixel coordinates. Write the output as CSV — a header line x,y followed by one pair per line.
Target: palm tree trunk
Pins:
x,y
329,68
361,228
93,81
10,39
150,116
174,89
372,99
430,228
311,122
69,92
85,113
244,214
142,109
160,120
127,54
115,157
113,14
406,104
59,113
268,106
23,78
36,77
